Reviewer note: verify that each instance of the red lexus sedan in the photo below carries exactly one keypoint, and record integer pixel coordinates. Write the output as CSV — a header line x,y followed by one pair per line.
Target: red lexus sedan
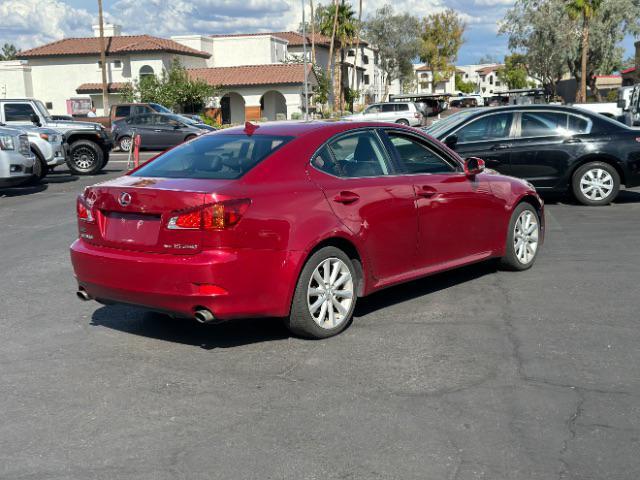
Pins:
x,y
296,220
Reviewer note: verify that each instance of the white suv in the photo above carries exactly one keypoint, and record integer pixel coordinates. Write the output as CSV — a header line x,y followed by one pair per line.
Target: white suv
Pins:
x,y
405,113
16,159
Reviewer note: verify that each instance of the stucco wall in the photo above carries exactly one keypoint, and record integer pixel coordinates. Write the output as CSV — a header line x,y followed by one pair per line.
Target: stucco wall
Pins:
x,y
234,51
15,79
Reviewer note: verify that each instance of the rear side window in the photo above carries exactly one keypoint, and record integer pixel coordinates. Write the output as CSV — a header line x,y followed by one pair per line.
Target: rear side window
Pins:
x,y
215,156
403,107
543,124
351,156
579,124
388,107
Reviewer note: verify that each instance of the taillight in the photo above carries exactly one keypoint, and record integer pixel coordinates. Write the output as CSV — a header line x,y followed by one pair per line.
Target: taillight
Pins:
x,y
215,216
416,114
83,210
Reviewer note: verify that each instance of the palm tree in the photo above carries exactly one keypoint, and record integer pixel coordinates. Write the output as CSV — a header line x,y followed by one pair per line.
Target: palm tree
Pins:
x,y
585,10
313,35
337,22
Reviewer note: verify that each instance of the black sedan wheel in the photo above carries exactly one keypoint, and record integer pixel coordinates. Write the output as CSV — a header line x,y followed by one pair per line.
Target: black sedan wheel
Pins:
x,y
85,158
596,183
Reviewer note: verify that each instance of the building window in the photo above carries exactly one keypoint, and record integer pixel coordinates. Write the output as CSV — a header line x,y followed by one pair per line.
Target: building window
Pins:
x,y
497,83
351,53
365,59
146,71
491,80
366,79
117,64
49,105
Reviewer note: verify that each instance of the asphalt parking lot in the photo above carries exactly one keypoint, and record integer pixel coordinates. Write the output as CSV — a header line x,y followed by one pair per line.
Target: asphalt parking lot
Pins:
x,y
472,374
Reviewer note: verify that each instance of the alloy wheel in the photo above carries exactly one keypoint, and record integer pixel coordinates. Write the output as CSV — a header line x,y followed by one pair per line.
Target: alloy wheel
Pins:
x,y
125,144
596,184
84,158
525,237
330,293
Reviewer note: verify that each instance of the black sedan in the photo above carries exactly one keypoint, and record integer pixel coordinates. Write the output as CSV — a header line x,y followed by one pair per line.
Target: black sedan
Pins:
x,y
158,131
556,148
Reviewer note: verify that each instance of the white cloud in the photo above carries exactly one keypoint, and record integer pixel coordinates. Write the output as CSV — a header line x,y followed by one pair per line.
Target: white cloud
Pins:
x,y
494,3
29,23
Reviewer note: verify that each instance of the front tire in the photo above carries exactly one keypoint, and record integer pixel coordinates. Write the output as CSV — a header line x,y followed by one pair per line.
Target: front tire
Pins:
x,y
40,169
595,184
85,158
325,295
523,238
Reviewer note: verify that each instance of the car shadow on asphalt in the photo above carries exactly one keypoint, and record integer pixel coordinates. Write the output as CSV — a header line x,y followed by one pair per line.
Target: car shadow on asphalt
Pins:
x,y
625,196
23,190
423,286
234,333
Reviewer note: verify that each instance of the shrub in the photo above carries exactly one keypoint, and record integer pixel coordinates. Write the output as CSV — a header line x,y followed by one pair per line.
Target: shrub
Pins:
x,y
296,116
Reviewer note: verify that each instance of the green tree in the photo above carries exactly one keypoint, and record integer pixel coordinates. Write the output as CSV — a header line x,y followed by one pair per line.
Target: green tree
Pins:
x,y
338,22
8,52
514,72
397,37
174,89
488,58
584,10
441,39
463,85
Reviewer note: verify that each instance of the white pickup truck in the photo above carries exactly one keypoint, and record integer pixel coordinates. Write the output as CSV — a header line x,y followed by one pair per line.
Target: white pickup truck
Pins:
x,y
609,109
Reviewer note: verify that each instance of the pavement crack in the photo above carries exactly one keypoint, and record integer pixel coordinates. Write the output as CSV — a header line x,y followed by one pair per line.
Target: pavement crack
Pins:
x,y
571,426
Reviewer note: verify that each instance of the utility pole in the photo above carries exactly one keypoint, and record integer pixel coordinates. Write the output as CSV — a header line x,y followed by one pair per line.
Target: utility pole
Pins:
x,y
304,63
103,62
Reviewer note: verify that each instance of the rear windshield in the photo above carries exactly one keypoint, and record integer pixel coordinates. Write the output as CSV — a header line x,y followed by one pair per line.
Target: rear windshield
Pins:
x,y
216,156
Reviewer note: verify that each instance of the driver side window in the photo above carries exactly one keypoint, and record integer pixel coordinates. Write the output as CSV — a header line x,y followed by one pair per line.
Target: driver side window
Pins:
x,y
490,127
416,157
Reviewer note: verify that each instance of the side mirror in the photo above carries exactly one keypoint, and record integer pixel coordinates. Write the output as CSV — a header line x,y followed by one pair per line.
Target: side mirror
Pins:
x,y
451,141
35,119
622,103
473,166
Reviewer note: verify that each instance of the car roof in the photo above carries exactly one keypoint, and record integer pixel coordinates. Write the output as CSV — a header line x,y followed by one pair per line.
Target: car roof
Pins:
x,y
300,128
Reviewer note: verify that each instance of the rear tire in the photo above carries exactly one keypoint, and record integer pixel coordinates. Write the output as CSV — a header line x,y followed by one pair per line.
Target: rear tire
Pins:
x,y
595,184
124,143
85,158
402,121
189,137
325,295
523,238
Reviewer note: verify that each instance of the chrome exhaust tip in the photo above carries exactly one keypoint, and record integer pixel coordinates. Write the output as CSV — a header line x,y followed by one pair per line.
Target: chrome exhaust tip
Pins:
x,y
83,295
203,315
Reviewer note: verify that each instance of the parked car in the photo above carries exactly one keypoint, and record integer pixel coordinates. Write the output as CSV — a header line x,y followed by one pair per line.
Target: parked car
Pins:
x,y
296,220
89,143
48,146
158,131
629,100
608,109
555,148
125,110
16,159
404,113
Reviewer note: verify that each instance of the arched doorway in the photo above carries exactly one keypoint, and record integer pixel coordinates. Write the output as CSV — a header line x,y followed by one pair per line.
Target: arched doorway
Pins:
x,y
232,107
273,106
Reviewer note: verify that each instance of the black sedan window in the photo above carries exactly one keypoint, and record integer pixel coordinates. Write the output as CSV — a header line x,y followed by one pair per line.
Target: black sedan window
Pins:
x,y
489,127
543,124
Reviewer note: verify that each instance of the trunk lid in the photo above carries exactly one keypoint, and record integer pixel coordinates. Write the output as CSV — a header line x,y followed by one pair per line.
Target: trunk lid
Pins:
x,y
132,213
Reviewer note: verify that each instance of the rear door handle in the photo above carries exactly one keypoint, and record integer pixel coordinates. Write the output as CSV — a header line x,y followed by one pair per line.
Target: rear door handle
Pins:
x,y
572,140
346,197
501,146
425,191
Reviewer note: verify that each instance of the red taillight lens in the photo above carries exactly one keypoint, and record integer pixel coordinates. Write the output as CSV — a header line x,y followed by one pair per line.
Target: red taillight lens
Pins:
x,y
216,216
417,114
83,211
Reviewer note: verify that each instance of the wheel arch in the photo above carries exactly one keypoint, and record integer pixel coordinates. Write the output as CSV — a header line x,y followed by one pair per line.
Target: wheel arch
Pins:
x,y
536,203
598,157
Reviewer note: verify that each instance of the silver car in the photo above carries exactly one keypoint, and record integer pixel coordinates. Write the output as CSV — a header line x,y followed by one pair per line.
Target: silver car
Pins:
x,y
405,113
49,147
16,159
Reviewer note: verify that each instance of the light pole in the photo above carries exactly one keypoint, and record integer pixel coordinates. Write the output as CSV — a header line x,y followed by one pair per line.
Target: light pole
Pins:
x,y
105,93
304,63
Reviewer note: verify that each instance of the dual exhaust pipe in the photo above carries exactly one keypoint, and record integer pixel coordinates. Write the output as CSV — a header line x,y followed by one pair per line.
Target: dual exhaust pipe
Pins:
x,y
202,315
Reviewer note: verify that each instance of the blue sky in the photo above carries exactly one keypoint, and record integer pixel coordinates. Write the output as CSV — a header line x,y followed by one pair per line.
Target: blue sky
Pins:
x,y
25,25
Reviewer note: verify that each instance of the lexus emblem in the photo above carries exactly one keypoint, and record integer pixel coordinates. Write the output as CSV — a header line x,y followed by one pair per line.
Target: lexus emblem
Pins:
x,y
124,199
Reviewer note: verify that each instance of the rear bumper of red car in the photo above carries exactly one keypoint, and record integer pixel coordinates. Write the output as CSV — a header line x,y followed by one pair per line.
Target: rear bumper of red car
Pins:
x,y
230,283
